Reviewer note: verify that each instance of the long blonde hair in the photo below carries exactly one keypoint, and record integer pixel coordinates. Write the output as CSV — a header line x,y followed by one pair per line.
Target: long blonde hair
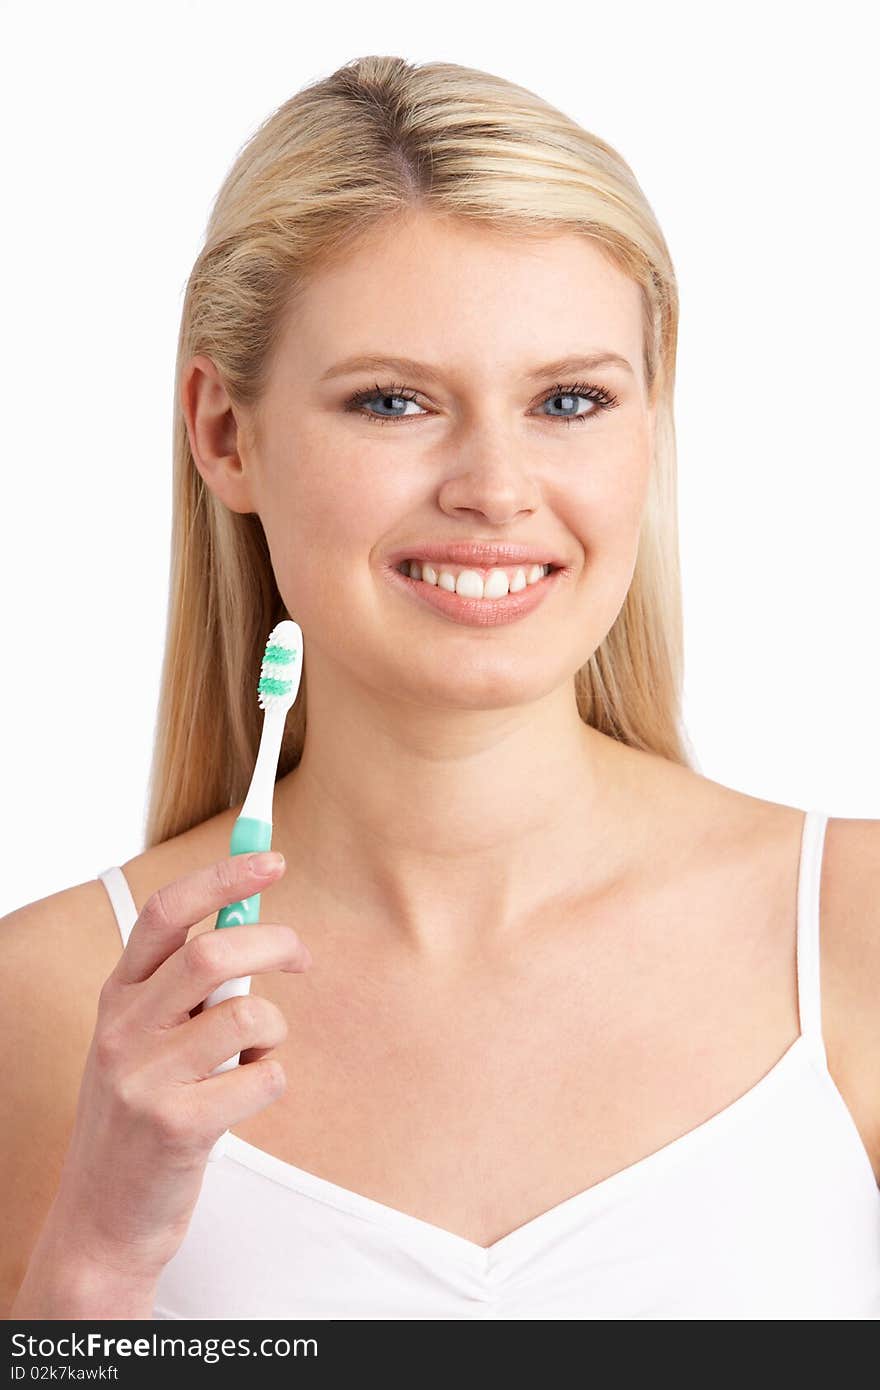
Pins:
x,y
376,138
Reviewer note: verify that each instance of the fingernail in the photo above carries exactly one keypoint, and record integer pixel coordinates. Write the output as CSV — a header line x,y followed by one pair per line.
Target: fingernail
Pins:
x,y
267,863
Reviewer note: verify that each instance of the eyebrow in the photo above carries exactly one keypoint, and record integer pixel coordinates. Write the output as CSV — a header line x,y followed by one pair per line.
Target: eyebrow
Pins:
x,y
563,366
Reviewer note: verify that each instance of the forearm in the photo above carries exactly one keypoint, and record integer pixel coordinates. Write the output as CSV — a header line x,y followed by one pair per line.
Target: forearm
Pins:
x,y
61,1284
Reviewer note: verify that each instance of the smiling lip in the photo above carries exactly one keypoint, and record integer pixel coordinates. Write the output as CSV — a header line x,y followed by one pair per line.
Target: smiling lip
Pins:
x,y
484,554
478,612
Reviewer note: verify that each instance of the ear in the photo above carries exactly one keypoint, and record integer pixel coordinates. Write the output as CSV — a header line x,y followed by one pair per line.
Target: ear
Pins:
x,y
215,435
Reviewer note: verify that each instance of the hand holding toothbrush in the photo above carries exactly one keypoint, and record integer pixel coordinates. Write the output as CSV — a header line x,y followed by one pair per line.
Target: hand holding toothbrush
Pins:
x,y
152,1101
150,1107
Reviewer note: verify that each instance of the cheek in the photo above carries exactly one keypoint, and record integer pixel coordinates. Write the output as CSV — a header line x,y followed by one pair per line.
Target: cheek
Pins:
x,y
605,506
337,498
322,529
606,514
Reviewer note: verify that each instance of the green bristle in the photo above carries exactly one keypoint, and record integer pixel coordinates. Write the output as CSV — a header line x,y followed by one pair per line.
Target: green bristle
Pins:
x,y
270,685
279,661
283,655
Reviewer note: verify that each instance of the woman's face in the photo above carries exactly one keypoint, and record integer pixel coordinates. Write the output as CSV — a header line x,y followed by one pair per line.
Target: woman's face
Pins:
x,y
480,446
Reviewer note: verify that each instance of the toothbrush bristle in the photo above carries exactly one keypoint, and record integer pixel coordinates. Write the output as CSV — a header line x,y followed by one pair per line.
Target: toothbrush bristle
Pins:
x,y
282,666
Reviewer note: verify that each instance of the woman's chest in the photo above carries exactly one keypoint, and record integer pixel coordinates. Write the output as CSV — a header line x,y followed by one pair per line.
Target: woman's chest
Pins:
x,y
478,1103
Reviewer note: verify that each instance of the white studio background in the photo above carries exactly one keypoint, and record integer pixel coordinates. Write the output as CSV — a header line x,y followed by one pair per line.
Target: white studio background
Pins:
x,y
752,129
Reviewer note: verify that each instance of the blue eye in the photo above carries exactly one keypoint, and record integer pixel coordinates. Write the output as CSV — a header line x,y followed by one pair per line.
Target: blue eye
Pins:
x,y
390,397
599,398
394,400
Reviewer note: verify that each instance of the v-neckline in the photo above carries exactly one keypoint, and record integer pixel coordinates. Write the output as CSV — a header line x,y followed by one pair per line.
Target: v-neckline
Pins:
x,y
598,1196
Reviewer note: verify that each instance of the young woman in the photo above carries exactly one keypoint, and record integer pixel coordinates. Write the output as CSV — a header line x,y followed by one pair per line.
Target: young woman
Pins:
x,y
539,1023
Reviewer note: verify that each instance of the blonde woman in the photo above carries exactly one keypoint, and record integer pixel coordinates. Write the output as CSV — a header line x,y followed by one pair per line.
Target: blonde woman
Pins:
x,y
542,1023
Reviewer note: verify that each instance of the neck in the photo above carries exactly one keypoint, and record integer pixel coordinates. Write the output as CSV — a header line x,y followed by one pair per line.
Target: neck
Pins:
x,y
447,827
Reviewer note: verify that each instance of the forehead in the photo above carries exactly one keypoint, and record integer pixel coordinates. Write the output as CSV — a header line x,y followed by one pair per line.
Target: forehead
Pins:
x,y
441,289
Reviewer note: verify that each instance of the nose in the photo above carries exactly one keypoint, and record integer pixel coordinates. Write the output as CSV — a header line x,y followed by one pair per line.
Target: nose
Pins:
x,y
491,477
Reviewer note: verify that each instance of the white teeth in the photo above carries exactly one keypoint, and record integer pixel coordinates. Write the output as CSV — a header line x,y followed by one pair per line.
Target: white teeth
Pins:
x,y
470,584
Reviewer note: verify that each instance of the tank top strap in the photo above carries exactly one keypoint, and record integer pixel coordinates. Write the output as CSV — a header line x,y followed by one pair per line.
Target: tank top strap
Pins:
x,y
123,903
808,957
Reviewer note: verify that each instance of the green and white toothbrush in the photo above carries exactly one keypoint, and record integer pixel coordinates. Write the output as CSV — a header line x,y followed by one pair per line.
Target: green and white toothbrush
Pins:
x,y
278,686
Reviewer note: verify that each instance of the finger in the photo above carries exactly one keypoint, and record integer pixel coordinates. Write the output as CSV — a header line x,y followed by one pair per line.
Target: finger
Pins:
x,y
194,1049
239,1093
186,978
170,912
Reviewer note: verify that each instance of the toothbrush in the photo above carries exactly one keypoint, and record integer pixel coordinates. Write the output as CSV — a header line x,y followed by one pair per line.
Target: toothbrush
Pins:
x,y
278,686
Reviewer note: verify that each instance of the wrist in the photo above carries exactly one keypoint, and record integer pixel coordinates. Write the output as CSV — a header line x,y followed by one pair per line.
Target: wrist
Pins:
x,y
61,1282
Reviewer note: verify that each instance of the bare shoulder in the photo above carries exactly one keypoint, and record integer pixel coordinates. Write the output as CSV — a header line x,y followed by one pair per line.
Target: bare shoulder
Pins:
x,y
758,842
850,898
58,951
850,967
849,944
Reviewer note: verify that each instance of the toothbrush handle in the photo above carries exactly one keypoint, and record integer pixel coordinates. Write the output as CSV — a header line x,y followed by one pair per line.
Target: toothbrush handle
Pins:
x,y
248,835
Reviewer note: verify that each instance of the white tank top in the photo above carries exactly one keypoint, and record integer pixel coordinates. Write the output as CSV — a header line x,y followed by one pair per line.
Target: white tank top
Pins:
x,y
768,1209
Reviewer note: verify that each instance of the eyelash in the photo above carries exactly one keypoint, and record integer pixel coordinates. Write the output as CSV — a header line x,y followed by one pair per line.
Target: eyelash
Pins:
x,y
601,398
